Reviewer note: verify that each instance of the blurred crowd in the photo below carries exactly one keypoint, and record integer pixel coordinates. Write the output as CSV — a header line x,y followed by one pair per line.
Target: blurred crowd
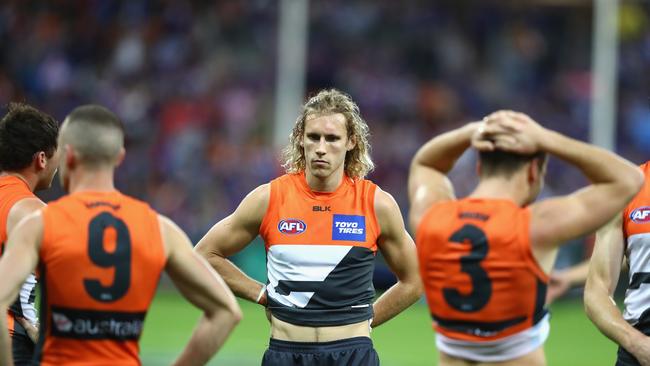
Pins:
x,y
194,82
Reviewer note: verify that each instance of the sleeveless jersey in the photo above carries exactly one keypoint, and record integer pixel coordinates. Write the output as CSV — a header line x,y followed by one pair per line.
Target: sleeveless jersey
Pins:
x,y
12,190
636,232
320,251
481,280
101,258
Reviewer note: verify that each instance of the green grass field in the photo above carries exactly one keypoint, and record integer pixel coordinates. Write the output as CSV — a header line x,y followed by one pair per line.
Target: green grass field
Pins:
x,y
406,340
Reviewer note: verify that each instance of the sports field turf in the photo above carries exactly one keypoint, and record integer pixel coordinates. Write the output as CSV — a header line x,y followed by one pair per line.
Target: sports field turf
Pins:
x,y
406,340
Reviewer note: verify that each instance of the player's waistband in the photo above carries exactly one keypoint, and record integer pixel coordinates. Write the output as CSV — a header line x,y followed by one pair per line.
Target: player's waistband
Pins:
x,y
500,350
320,347
282,330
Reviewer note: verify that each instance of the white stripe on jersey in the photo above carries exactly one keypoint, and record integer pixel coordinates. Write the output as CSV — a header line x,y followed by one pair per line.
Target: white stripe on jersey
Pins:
x,y
638,253
301,263
29,310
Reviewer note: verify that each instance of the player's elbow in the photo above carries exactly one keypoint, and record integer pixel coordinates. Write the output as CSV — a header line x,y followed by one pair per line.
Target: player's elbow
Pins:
x,y
414,287
236,315
417,288
632,183
228,315
206,252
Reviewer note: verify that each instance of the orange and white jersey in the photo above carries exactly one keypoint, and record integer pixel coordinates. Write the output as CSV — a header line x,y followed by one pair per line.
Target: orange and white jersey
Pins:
x,y
320,251
636,230
12,190
481,280
100,261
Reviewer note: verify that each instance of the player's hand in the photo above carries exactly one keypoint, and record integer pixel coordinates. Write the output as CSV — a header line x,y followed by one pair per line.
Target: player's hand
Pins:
x,y
528,135
510,131
641,351
558,285
32,330
494,132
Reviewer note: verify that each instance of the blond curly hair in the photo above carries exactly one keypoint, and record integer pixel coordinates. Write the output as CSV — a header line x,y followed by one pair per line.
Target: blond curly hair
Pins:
x,y
357,161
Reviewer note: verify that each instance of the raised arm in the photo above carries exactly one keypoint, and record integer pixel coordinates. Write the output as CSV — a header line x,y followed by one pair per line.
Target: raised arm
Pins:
x,y
603,276
428,182
231,235
203,287
17,262
399,252
614,182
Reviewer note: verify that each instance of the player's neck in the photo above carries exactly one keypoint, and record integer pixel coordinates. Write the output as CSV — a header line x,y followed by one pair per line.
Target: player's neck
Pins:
x,y
31,179
324,184
100,180
502,188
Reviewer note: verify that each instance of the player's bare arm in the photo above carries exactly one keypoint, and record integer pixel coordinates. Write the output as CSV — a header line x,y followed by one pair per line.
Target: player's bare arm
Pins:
x,y
428,182
231,235
18,261
22,209
614,180
19,211
203,287
562,280
604,272
398,250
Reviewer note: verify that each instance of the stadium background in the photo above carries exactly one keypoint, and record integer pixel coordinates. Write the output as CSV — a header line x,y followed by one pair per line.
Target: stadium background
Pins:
x,y
195,83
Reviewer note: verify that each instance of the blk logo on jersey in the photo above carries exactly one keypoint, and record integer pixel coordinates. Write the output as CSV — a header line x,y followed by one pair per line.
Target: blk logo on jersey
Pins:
x,y
292,226
349,227
641,215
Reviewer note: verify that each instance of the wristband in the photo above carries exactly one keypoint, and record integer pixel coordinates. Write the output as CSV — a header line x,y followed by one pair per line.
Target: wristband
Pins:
x,y
259,296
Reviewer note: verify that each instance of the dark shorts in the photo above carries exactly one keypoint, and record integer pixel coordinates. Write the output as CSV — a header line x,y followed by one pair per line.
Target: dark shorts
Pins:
x,y
22,346
625,358
356,351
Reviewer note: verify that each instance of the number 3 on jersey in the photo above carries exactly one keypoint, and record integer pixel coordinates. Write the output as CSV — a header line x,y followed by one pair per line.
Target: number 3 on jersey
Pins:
x,y
119,259
471,264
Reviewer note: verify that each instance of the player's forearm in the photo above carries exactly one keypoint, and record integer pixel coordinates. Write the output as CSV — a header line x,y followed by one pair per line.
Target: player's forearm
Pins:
x,y
441,152
602,311
599,165
208,337
399,297
577,275
239,283
5,342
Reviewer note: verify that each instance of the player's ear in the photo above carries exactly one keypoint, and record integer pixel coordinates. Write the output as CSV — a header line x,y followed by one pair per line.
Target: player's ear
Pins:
x,y
352,143
533,171
120,157
40,160
71,159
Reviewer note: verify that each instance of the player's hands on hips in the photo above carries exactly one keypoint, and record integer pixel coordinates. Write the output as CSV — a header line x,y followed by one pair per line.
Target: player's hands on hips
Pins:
x,y
32,330
642,350
559,283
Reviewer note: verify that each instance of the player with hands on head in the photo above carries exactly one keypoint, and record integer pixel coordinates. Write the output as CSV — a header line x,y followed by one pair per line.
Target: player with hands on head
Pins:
x,y
485,258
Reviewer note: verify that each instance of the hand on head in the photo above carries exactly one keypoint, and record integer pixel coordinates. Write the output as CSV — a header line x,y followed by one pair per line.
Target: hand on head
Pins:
x,y
508,131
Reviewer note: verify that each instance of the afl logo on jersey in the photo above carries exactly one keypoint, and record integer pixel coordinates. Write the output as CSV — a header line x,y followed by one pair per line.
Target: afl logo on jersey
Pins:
x,y
641,215
292,226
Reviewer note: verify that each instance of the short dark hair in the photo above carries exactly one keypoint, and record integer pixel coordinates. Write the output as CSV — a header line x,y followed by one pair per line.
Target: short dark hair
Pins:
x,y
95,132
24,131
504,163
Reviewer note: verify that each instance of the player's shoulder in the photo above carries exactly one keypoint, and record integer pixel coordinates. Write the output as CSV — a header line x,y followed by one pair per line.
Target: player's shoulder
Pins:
x,y
385,203
645,168
260,193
